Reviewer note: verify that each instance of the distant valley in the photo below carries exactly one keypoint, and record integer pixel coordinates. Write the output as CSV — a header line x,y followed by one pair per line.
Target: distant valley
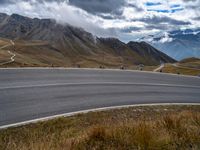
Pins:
x,y
178,44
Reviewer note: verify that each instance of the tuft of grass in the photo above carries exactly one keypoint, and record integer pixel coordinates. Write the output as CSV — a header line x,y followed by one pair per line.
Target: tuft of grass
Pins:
x,y
97,133
196,119
144,135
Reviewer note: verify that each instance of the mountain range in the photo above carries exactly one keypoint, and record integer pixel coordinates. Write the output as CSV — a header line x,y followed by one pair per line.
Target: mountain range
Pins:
x,y
72,45
179,44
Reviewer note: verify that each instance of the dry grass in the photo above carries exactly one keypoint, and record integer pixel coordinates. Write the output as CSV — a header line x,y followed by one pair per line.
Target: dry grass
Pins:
x,y
4,42
191,63
178,70
43,54
194,64
154,127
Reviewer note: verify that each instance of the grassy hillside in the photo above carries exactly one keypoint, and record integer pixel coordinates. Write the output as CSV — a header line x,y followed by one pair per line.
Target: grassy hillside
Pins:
x,y
191,62
169,68
153,127
43,54
4,42
189,66
38,40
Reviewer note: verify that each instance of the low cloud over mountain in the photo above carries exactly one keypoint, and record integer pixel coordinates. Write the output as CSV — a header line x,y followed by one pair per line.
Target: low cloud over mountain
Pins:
x,y
178,44
124,19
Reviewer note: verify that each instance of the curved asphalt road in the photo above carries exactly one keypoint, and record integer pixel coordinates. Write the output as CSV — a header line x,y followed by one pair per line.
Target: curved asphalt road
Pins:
x,y
27,94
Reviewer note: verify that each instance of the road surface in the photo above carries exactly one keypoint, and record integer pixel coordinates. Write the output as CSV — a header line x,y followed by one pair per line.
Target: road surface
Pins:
x,y
27,94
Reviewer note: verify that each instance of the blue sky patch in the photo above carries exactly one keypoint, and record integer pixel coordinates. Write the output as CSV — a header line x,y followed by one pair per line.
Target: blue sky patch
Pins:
x,y
175,6
152,4
175,10
165,10
162,11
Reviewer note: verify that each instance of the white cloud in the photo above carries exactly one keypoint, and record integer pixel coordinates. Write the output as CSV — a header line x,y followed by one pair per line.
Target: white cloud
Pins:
x,y
62,12
133,15
165,38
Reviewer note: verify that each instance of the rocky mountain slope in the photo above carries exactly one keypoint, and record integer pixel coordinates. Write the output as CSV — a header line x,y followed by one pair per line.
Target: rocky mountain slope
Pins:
x,y
75,45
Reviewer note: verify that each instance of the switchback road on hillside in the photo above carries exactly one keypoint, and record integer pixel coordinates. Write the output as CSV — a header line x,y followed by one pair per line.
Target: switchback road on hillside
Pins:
x,y
27,94
12,57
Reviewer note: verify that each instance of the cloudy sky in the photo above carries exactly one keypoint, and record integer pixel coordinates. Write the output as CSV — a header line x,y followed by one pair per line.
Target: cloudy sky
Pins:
x,y
125,19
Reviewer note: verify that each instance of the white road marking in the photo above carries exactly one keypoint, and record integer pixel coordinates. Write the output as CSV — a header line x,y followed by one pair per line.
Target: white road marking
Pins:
x,y
92,110
97,83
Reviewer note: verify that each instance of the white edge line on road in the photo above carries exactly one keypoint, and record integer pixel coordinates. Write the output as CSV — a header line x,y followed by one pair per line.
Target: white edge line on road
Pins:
x,y
93,110
97,69
97,83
